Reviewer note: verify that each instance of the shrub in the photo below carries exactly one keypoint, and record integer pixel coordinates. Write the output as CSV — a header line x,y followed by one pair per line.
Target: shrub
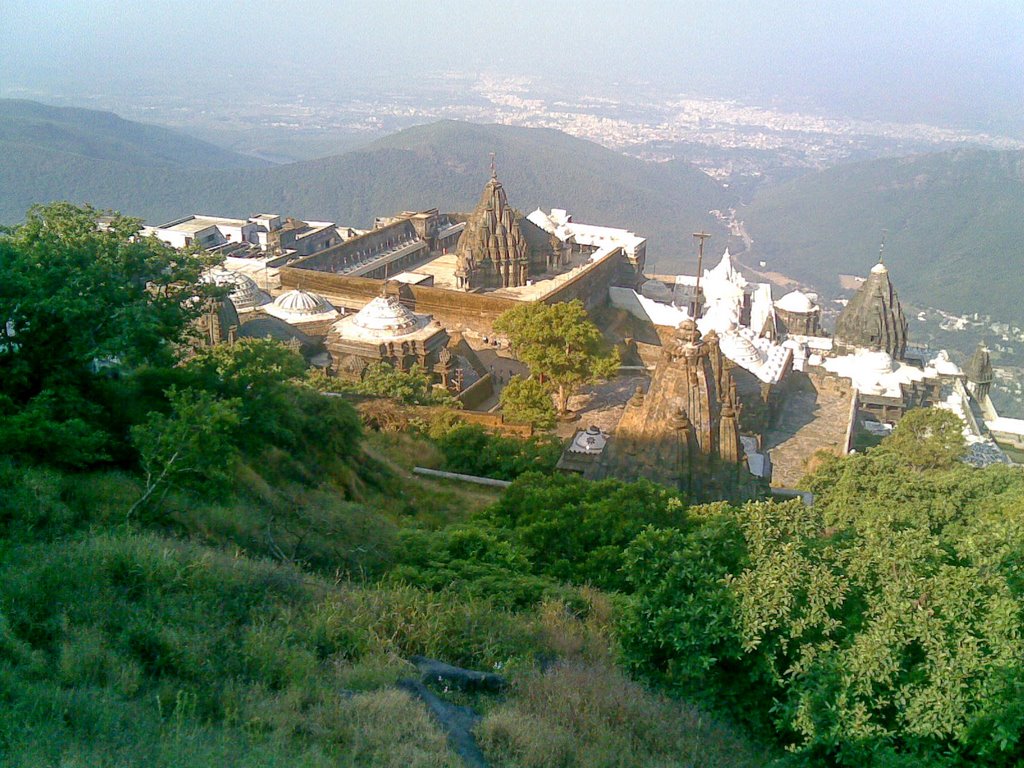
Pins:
x,y
471,450
527,401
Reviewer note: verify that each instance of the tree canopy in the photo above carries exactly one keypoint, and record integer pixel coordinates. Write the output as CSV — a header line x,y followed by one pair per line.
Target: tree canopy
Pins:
x,y
560,344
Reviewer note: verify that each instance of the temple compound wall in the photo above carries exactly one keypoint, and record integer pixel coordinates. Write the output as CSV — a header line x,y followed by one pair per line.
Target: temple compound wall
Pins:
x,y
459,309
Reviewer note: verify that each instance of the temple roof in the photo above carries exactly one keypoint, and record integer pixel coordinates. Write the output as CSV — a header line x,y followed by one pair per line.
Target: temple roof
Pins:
x,y
245,294
979,368
796,302
298,306
384,319
492,231
874,318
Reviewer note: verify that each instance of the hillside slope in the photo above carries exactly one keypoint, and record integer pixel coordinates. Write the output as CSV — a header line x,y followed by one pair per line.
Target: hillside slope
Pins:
x,y
442,165
26,126
954,221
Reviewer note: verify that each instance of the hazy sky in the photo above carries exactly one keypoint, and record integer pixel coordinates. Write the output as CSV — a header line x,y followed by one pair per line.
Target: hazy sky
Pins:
x,y
898,58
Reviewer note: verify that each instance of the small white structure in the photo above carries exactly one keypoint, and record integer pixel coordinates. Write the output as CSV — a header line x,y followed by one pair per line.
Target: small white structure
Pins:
x,y
245,294
298,306
560,224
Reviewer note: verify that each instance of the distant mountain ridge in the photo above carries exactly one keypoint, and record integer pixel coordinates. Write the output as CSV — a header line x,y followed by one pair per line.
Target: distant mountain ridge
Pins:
x,y
444,164
98,135
953,223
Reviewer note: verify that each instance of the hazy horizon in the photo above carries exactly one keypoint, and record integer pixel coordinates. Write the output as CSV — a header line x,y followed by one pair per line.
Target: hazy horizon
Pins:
x,y
914,63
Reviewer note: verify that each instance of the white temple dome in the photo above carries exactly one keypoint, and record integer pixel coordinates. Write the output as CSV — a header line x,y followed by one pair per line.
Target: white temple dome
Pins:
x,y
796,302
879,269
741,350
301,306
387,315
245,294
877,362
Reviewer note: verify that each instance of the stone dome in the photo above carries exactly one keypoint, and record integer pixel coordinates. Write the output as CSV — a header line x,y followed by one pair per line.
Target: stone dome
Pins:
x,y
796,302
301,306
245,294
387,315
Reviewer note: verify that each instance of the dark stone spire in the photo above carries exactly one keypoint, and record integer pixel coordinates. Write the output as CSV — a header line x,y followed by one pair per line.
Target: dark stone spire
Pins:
x,y
979,371
874,317
492,252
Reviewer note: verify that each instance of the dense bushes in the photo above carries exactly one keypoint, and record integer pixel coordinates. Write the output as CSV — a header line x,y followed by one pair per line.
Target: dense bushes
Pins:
x,y
881,625
472,450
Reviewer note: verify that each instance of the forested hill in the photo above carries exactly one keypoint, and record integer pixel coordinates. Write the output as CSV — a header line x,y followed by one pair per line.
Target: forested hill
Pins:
x,y
28,127
443,165
954,221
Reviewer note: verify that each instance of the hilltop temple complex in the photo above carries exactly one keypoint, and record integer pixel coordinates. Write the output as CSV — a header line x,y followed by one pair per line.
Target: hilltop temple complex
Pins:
x,y
740,386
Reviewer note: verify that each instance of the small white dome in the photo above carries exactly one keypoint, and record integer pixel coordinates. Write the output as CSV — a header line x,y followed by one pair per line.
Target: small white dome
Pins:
x,y
944,366
796,302
301,306
879,269
877,362
245,294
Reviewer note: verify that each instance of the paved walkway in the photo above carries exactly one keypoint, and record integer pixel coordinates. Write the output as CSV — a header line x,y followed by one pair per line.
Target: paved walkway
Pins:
x,y
602,404
814,418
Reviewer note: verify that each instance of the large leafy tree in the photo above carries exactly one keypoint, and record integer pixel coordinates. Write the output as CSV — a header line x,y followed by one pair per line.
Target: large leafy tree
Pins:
x,y
881,626
80,288
527,401
79,291
560,344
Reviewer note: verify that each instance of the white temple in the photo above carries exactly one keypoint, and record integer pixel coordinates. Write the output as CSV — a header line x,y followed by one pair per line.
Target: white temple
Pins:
x,y
245,294
740,312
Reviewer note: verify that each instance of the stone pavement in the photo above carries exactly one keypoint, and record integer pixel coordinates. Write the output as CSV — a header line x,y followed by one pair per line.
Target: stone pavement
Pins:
x,y
602,404
813,418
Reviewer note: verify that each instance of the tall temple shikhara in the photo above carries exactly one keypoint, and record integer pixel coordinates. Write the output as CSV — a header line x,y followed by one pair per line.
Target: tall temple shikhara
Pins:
x,y
492,252
874,318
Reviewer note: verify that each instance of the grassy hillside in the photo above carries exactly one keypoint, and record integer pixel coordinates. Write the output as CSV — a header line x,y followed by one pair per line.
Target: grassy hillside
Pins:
x,y
443,165
26,126
955,224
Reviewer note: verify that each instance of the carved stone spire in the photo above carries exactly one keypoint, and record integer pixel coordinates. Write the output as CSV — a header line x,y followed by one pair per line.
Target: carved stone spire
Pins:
x,y
874,317
979,372
492,252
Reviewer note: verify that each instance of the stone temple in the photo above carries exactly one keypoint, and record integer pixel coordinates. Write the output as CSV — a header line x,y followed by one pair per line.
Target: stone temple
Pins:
x,y
685,432
874,318
492,252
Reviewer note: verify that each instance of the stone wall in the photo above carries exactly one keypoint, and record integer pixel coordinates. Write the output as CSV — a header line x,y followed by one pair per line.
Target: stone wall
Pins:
x,y
454,309
591,284
476,393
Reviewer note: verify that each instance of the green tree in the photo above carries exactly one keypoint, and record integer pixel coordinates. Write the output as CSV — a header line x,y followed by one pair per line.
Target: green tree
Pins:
x,y
78,290
927,438
472,450
308,432
380,379
527,401
192,446
575,530
881,626
560,344
82,297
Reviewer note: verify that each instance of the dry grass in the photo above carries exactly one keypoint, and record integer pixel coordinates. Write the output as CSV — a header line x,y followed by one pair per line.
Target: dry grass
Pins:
x,y
591,716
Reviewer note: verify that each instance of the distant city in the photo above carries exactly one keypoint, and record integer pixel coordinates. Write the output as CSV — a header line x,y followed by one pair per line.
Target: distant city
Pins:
x,y
734,142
